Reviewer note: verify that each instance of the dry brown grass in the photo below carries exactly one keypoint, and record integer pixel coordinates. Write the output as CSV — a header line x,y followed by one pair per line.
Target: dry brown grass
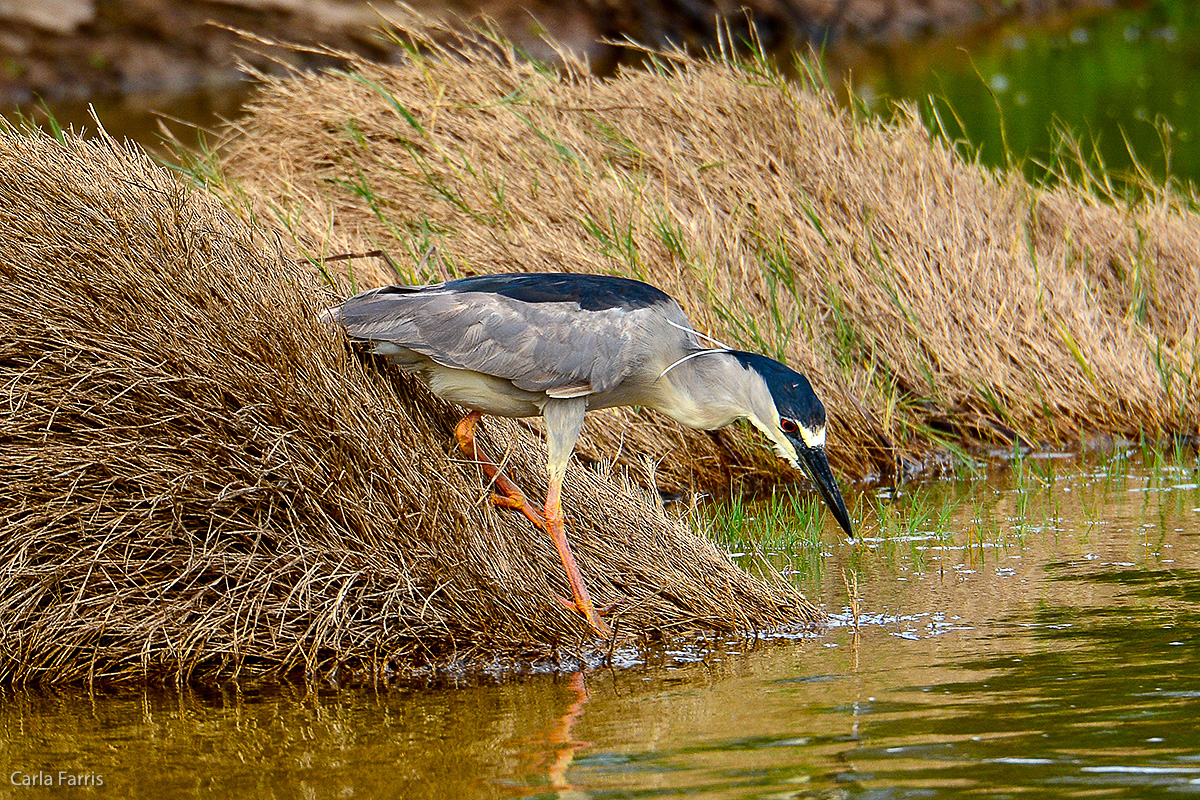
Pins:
x,y
201,480
935,303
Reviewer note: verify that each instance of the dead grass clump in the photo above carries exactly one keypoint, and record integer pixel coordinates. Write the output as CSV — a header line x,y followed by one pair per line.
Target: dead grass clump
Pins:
x,y
935,304
200,479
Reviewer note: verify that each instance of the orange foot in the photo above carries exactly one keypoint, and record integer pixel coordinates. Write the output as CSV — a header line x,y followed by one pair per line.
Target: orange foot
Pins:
x,y
603,611
519,502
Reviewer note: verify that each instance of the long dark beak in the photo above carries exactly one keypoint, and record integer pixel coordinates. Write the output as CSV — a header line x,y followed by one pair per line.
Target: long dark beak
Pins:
x,y
817,466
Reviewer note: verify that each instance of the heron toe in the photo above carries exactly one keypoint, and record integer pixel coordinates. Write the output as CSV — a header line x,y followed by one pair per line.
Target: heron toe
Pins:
x,y
598,626
519,502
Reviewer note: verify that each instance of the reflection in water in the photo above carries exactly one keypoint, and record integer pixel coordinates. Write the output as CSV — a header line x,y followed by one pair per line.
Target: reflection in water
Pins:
x,y
1041,643
565,744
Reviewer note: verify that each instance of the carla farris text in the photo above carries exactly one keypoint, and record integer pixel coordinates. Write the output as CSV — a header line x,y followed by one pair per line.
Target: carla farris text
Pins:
x,y
59,778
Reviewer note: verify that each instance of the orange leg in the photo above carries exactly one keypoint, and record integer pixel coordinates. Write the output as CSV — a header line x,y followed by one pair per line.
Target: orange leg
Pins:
x,y
512,496
552,523
556,528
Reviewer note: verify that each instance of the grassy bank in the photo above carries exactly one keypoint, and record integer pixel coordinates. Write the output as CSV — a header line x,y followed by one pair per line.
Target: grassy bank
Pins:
x,y
935,304
203,481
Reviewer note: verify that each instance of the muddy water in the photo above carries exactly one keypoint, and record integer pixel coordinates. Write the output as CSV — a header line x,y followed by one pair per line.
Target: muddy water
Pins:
x,y
1031,635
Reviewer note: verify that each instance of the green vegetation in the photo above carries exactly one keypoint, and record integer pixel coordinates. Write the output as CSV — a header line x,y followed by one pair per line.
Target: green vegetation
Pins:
x,y
933,530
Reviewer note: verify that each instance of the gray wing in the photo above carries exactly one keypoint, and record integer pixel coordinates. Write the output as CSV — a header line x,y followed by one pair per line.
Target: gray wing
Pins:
x,y
553,347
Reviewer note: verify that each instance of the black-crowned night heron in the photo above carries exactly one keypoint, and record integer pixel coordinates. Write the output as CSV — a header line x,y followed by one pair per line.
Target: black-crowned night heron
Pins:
x,y
557,345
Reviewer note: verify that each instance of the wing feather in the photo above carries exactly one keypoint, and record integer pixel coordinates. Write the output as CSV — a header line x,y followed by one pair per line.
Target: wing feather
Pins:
x,y
560,348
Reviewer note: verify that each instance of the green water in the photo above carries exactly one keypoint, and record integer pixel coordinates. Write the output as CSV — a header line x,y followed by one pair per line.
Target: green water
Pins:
x,y
1042,642
1122,81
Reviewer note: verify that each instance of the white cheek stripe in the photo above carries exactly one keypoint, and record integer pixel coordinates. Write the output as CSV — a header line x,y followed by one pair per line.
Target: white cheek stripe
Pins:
x,y
813,438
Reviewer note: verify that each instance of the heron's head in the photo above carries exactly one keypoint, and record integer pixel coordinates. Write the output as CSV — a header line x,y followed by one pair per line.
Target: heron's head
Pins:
x,y
797,428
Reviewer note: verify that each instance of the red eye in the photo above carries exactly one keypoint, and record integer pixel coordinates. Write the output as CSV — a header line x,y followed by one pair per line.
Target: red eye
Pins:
x,y
787,426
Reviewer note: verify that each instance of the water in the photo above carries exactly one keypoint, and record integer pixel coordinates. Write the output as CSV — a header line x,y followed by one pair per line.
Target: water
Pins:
x,y
1043,642
1123,80
151,120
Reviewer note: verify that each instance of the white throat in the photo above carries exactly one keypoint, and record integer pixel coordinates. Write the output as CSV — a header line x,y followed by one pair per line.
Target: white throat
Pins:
x,y
812,437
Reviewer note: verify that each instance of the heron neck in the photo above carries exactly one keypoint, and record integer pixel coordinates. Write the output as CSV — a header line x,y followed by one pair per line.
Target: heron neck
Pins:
x,y
712,390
